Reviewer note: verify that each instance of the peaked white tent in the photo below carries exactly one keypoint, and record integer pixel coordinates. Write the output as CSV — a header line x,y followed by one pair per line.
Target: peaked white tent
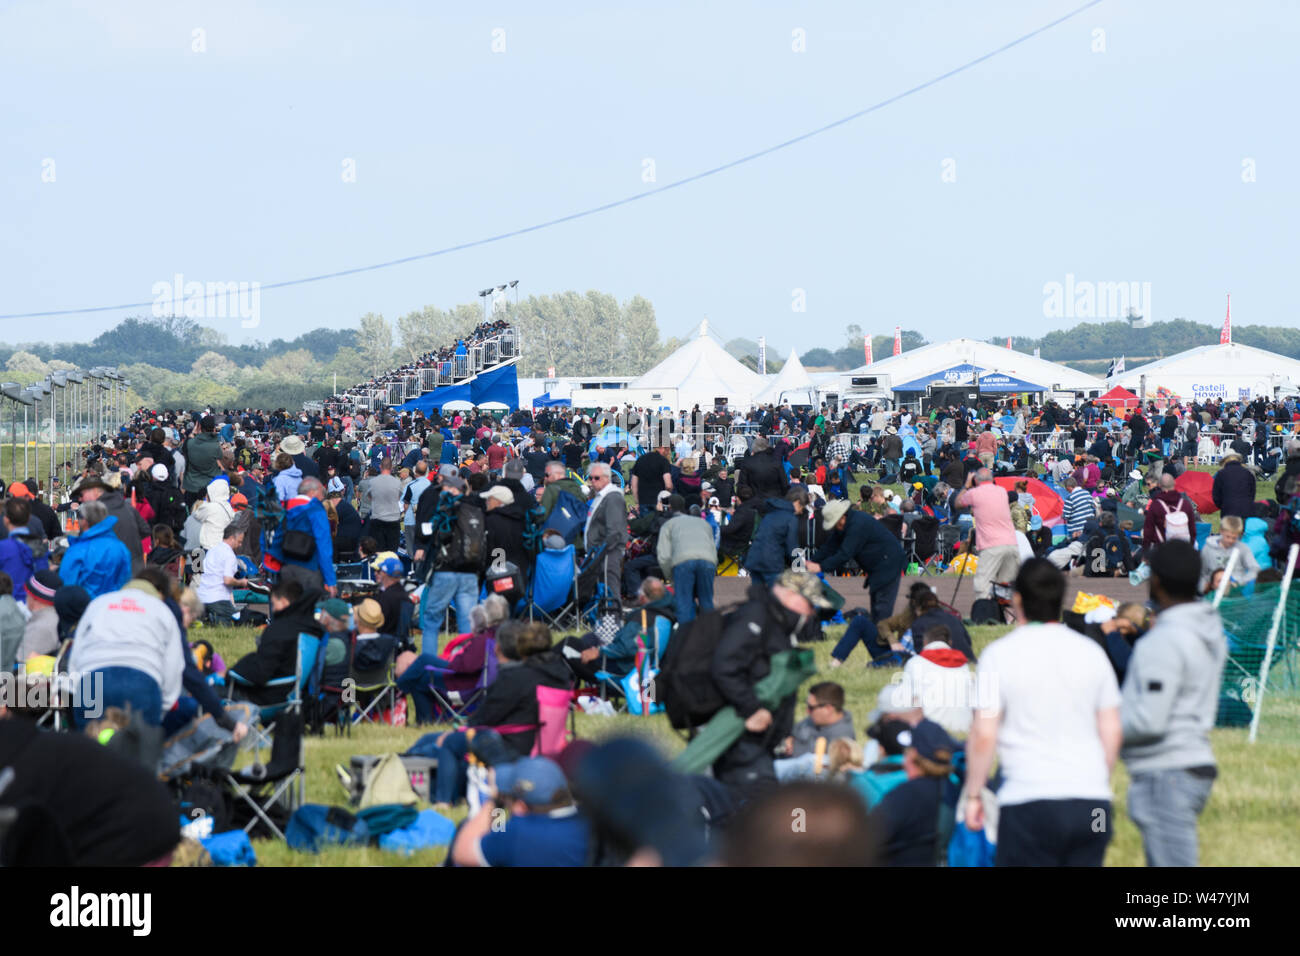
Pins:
x,y
792,384
1224,372
701,372
931,359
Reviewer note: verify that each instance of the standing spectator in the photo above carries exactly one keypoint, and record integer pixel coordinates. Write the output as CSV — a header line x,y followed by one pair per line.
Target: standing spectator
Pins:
x,y
302,548
1234,488
607,527
689,558
995,534
777,539
1171,696
1053,720
385,508
41,635
450,581
1079,508
1165,501
287,477
202,454
651,474
856,536
15,556
411,501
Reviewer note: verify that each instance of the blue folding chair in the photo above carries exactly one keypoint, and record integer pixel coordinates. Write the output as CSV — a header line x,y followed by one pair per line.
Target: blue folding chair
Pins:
x,y
308,663
553,590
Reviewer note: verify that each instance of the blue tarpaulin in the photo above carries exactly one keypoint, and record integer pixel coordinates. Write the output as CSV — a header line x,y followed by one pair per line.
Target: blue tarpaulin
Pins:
x,y
546,401
499,385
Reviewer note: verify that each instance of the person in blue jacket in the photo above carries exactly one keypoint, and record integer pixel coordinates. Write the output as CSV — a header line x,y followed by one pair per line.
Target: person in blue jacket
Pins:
x,y
777,537
305,512
97,560
856,536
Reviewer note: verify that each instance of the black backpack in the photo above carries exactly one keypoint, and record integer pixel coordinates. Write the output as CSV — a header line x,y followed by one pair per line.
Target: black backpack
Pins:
x,y
466,550
685,684
986,611
171,508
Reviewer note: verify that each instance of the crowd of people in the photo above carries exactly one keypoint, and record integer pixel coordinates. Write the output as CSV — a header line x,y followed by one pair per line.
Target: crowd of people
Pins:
x,y
411,542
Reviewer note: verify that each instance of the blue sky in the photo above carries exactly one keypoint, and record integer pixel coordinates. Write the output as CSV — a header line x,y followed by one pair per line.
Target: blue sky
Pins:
x,y
226,165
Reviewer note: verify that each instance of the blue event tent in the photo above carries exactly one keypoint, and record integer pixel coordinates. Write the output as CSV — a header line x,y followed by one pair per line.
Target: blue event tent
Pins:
x,y
499,385
964,374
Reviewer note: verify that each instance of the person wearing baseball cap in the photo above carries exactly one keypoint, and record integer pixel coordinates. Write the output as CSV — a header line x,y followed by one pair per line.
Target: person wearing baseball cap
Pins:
x,y
856,536
392,597
908,817
544,827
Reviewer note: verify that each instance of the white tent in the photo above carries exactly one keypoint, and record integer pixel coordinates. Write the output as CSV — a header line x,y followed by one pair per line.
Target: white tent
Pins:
x,y
701,372
792,384
931,359
1229,372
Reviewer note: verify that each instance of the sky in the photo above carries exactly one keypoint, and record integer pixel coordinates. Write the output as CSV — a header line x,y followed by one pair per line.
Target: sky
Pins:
x,y
260,142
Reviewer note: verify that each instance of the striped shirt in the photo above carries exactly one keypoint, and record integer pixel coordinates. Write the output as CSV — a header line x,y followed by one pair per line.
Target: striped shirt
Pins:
x,y
1078,509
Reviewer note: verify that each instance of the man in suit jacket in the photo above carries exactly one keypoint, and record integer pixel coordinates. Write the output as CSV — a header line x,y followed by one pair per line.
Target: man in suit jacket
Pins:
x,y
607,525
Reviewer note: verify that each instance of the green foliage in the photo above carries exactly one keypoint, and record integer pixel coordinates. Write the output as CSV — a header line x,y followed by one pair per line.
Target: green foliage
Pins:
x,y
587,335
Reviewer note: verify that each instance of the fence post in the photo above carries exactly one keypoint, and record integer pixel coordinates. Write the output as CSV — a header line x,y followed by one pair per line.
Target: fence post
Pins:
x,y
1278,612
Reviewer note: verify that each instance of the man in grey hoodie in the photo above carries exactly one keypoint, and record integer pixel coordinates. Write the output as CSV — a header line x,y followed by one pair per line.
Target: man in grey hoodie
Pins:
x,y
1170,697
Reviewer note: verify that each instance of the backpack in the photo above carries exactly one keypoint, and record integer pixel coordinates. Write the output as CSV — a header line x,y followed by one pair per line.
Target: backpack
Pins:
x,y
533,529
467,547
685,685
986,611
567,518
171,508
315,825
1177,527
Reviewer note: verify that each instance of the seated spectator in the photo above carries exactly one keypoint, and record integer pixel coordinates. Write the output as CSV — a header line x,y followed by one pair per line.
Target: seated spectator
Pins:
x,y
16,558
294,612
544,827
13,625
940,682
882,762
655,612
165,548
96,559
221,573
335,618
1218,550
827,720
127,651
466,662
907,818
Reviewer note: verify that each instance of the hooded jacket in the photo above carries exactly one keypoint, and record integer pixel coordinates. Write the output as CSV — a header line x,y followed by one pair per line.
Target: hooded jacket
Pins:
x,y
215,514
762,471
940,682
96,560
307,515
777,538
751,635
277,649
1171,690
202,461
287,482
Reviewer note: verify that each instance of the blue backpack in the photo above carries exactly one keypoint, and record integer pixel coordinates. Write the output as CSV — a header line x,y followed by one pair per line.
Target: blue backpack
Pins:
x,y
567,518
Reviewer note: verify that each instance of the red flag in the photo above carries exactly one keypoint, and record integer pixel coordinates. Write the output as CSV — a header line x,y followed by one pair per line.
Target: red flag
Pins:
x,y
1008,341
1225,337
866,347
898,340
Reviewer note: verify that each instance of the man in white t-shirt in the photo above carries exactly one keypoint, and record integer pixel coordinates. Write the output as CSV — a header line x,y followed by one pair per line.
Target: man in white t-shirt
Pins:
x,y
1048,704
220,574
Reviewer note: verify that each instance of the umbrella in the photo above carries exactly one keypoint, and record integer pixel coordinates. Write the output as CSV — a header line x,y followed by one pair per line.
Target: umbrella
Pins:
x,y
789,670
612,437
1048,502
1197,485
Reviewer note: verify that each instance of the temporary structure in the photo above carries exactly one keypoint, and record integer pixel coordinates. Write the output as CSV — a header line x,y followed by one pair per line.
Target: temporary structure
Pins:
x,y
929,360
1119,398
702,373
1224,372
792,384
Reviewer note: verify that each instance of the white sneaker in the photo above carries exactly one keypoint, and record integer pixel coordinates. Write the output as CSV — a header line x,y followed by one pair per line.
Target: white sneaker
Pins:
x,y
835,662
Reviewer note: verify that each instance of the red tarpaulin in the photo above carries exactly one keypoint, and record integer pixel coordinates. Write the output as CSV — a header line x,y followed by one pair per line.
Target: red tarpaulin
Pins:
x,y
1119,397
1197,486
1048,503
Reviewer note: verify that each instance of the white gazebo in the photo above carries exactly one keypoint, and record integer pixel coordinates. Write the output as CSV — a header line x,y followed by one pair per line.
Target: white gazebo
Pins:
x,y
792,384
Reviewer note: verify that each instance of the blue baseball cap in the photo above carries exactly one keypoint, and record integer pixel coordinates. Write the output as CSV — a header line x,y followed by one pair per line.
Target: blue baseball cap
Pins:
x,y
392,566
537,781
931,741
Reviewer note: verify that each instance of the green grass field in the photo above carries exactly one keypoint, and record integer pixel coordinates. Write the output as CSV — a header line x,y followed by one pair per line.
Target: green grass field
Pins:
x,y
1249,820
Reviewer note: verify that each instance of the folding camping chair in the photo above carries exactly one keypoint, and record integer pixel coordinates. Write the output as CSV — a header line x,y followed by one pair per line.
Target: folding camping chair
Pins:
x,y
275,789
457,705
554,711
553,591
377,683
307,665
646,665
922,543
